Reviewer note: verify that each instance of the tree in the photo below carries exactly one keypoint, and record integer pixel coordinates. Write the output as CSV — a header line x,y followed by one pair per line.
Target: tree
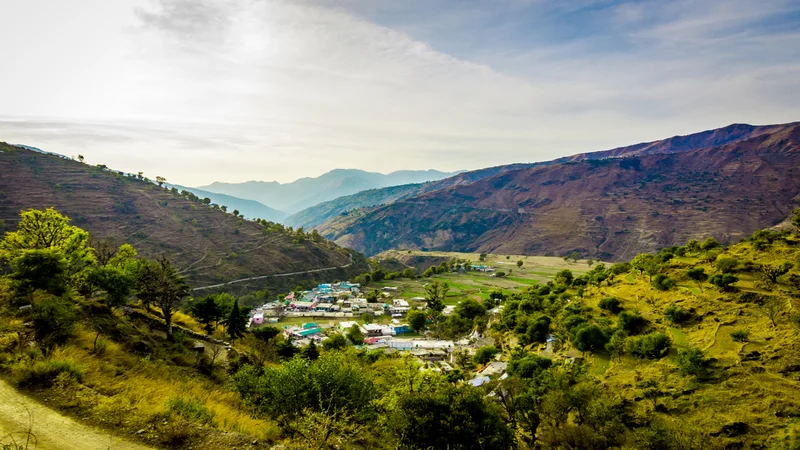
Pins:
x,y
616,345
470,309
662,282
796,219
772,273
160,180
159,283
265,334
417,319
118,284
649,346
310,351
723,281
355,335
772,307
372,296
53,322
236,212
697,274
482,257
648,264
485,354
709,244
519,264
589,338
564,277
335,342
691,361
49,230
44,269
236,322
436,293
611,304
726,264
631,322
207,312
80,158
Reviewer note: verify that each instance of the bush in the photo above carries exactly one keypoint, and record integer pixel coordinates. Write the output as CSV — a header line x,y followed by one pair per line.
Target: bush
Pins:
x,y
723,281
691,361
620,268
54,322
709,244
611,304
485,354
726,264
649,346
740,335
697,274
589,338
195,412
631,322
662,282
43,373
676,314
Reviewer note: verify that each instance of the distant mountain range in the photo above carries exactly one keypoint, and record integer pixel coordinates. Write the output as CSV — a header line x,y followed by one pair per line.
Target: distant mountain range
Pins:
x,y
611,204
251,209
305,192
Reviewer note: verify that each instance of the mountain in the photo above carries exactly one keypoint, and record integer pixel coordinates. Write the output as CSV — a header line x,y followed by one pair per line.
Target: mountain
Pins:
x,y
251,209
305,192
208,245
610,205
333,215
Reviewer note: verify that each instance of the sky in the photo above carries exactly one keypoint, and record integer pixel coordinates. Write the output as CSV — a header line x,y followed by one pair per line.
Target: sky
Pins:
x,y
234,90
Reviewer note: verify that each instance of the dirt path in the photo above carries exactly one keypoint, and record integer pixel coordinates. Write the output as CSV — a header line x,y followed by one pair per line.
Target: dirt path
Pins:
x,y
51,430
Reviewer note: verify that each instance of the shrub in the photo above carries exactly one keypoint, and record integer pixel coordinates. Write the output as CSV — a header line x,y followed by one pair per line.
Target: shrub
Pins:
x,y
709,244
620,268
649,346
697,274
485,354
43,373
54,322
589,338
611,304
662,282
631,322
691,361
676,314
726,264
195,412
723,281
740,335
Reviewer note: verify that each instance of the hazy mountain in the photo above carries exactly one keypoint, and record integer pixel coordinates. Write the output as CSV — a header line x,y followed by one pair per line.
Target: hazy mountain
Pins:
x,y
208,245
306,192
607,204
250,208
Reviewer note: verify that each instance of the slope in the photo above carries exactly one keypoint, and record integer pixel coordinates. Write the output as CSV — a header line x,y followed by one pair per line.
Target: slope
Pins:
x,y
208,245
608,208
305,192
251,209
333,212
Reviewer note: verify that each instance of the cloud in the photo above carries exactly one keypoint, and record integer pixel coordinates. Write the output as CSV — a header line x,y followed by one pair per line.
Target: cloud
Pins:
x,y
232,90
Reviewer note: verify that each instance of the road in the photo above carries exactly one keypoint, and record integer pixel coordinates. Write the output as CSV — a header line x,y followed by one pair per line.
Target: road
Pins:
x,y
50,429
242,280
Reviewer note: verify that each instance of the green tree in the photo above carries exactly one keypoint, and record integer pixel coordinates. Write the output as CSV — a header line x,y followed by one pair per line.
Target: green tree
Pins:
x,y
482,257
611,304
520,263
208,312
726,264
50,230
589,338
470,309
691,361
772,307
44,269
436,293
796,219
409,273
236,322
648,346
564,277
117,283
159,283
485,354
416,319
616,345
160,180
662,282
723,281
631,322
372,296
54,322
355,335
310,351
335,342
772,273
648,264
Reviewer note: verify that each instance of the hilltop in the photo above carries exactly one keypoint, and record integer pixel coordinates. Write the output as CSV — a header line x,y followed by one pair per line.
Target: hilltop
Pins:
x,y
604,207
305,192
208,245
250,209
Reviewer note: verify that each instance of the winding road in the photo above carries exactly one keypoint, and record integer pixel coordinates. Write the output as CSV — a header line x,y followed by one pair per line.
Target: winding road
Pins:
x,y
49,430
242,280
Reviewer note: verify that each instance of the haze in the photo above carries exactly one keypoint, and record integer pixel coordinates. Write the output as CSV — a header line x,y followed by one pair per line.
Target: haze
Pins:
x,y
201,91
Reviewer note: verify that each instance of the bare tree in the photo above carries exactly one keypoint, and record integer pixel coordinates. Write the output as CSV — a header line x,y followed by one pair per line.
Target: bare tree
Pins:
x,y
772,307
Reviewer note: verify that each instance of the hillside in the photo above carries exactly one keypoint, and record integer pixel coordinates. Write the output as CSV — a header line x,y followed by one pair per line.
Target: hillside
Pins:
x,y
251,209
608,208
305,192
330,218
208,245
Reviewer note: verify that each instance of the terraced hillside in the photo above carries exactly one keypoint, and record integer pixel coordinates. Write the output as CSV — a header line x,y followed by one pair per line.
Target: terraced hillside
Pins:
x,y
208,245
612,208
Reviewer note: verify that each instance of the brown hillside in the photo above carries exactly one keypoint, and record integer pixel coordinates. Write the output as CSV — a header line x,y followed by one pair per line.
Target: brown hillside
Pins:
x,y
610,208
208,245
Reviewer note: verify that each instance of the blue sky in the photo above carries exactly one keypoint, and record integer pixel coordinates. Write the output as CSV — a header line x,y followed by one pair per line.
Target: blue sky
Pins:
x,y
232,90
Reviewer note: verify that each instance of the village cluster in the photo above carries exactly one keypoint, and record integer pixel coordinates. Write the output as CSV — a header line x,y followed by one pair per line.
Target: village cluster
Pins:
x,y
383,327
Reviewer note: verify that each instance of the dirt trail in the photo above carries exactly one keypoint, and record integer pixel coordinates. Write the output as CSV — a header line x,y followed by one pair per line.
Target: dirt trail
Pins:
x,y
52,431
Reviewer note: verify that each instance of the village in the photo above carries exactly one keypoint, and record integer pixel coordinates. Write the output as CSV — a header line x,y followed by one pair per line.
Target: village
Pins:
x,y
337,307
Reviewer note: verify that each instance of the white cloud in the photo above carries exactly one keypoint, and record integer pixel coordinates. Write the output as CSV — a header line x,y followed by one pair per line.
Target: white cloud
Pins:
x,y
208,90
